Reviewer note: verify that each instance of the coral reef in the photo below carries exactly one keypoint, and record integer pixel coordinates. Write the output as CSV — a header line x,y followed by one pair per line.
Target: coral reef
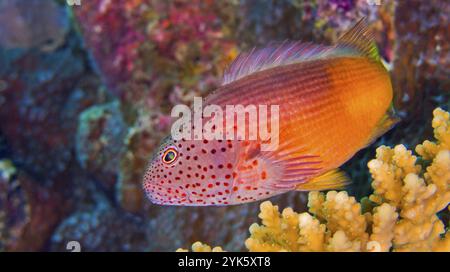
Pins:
x,y
86,92
420,67
398,182
102,228
400,215
42,91
14,206
28,213
101,157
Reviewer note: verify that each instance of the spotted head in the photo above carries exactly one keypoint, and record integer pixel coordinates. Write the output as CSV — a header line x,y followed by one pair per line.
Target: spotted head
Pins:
x,y
191,172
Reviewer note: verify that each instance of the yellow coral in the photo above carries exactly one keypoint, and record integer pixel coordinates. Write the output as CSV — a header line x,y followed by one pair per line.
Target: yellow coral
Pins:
x,y
200,247
441,124
279,233
400,215
397,181
383,224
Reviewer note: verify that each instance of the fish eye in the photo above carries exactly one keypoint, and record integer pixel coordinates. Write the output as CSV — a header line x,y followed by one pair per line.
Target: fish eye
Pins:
x,y
170,155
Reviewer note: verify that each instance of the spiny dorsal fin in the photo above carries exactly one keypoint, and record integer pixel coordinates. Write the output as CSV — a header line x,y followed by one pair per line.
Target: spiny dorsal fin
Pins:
x,y
276,54
358,41
360,38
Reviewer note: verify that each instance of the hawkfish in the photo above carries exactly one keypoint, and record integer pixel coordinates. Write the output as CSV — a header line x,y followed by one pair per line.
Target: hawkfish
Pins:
x,y
334,100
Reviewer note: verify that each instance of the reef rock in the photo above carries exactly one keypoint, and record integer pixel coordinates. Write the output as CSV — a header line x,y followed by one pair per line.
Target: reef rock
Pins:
x,y
100,141
32,24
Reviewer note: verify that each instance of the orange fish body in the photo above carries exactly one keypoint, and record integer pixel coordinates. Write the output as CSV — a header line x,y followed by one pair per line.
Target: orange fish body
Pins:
x,y
329,106
332,103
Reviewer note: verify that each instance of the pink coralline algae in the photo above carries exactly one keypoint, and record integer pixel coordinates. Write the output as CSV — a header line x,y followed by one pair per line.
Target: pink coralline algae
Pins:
x,y
137,44
114,37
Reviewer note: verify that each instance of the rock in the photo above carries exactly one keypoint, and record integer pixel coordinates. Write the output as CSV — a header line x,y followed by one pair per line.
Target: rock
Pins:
x,y
100,141
32,24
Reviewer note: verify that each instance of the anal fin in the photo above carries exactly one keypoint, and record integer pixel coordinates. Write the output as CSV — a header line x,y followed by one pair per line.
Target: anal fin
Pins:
x,y
333,179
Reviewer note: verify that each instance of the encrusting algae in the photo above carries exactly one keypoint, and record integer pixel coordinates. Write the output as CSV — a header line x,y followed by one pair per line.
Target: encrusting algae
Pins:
x,y
400,215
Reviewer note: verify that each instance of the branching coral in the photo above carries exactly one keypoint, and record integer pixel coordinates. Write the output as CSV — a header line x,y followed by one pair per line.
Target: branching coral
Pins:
x,y
200,247
400,215
398,182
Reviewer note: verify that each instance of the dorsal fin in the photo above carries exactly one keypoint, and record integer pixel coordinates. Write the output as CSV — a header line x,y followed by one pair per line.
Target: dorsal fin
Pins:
x,y
276,54
358,41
